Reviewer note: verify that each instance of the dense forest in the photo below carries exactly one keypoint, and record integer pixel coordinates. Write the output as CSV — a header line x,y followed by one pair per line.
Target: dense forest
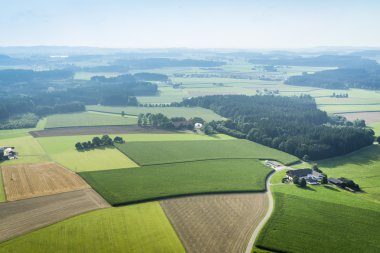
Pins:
x,y
47,92
339,79
291,124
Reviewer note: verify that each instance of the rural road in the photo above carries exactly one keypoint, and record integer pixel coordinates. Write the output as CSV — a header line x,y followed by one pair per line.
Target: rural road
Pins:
x,y
267,215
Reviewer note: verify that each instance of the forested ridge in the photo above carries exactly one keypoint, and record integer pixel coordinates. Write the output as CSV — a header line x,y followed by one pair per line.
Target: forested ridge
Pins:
x,y
291,124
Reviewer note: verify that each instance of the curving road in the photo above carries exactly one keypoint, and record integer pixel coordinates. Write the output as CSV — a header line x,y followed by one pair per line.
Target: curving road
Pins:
x,y
267,215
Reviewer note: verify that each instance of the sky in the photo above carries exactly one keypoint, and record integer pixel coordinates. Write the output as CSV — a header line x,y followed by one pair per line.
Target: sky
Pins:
x,y
190,23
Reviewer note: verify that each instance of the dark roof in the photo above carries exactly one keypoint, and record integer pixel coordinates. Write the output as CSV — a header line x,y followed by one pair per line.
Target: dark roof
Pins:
x,y
335,181
299,173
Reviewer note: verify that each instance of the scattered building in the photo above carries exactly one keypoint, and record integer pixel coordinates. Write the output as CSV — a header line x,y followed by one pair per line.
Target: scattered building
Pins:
x,y
311,176
198,125
7,153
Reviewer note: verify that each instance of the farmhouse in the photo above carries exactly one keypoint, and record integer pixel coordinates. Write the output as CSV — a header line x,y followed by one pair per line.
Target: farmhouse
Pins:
x,y
7,153
311,176
335,181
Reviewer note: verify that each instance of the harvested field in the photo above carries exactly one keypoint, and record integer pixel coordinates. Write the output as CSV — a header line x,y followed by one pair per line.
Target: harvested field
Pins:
x,y
19,217
369,117
216,223
33,180
92,130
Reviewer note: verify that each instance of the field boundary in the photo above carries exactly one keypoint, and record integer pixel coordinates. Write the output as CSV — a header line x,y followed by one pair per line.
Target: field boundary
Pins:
x,y
186,195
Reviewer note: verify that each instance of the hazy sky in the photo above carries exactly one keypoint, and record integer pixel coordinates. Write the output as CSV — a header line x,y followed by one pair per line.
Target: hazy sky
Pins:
x,y
190,23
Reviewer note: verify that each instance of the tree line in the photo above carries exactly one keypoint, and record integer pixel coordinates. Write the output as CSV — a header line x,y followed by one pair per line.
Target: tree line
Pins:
x,y
159,120
291,124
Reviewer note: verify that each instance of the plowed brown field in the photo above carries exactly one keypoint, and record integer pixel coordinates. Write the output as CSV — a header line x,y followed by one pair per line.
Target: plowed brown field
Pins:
x,y
216,223
33,180
19,217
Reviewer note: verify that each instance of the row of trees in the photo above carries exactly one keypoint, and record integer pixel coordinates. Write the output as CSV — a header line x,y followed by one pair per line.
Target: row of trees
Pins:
x,y
98,142
161,121
290,124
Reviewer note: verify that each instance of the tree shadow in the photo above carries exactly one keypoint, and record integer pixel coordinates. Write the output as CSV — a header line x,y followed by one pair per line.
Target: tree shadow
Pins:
x,y
331,188
306,188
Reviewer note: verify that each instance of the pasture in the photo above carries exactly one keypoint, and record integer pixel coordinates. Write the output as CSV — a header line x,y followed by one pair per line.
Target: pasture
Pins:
x,y
362,166
327,219
124,186
33,180
170,112
216,223
376,128
146,153
137,228
307,225
29,150
88,119
23,216
369,117
62,150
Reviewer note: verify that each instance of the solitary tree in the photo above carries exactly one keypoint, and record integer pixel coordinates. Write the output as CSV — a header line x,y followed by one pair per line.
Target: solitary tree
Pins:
x,y
324,180
296,180
78,146
122,113
303,182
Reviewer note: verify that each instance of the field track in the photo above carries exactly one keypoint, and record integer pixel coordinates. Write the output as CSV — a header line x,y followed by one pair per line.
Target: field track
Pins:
x,y
69,131
216,223
20,217
33,180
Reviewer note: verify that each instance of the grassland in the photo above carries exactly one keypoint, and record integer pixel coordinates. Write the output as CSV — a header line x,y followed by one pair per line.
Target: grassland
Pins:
x,y
29,150
137,228
146,153
362,166
62,150
327,219
376,128
151,182
205,114
88,119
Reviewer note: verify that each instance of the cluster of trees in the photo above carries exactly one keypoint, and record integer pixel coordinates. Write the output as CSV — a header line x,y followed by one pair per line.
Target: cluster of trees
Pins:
x,y
98,142
349,183
290,124
339,79
342,95
159,120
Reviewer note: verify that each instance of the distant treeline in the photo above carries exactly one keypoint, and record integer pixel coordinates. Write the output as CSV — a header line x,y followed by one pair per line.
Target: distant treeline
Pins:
x,y
11,76
342,61
291,124
151,63
339,79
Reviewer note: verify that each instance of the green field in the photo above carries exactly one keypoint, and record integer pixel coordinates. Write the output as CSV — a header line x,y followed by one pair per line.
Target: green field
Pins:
x,y
376,128
151,182
2,193
186,112
137,228
307,225
29,150
157,152
362,166
62,150
320,219
88,119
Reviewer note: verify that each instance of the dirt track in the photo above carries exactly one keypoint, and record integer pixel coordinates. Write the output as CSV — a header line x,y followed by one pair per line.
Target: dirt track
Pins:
x,y
216,223
19,217
69,131
33,180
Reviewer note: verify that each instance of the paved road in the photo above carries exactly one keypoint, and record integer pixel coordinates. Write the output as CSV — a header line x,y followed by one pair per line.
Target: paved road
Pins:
x,y
267,215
